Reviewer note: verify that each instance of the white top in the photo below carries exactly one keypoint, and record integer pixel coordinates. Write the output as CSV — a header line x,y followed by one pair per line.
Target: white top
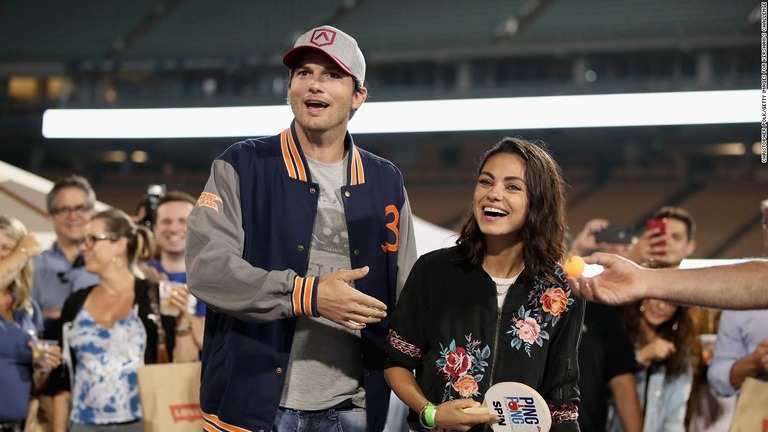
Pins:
x,y
503,284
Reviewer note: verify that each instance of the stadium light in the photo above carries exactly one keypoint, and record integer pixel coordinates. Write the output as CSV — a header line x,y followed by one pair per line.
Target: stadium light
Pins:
x,y
547,112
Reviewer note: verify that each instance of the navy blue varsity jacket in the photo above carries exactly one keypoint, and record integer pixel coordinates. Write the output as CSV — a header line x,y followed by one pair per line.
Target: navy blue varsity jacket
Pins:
x,y
247,254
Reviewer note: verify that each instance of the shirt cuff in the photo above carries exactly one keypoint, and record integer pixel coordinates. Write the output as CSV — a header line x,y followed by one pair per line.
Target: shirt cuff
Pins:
x,y
304,297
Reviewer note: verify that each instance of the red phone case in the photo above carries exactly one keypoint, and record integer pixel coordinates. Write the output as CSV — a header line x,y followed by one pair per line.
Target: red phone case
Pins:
x,y
661,224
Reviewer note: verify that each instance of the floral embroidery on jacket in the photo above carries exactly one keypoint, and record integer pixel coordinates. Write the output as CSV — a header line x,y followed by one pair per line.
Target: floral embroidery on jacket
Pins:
x,y
463,368
547,303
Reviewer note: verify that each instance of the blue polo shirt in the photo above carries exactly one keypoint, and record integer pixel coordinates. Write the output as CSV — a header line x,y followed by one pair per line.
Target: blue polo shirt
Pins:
x,y
54,278
16,363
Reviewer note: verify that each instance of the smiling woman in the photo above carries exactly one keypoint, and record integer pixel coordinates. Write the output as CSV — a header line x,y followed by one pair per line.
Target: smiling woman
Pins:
x,y
495,307
668,354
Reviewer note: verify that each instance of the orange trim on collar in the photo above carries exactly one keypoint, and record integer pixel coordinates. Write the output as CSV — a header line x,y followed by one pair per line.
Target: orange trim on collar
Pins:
x,y
295,166
286,153
292,157
357,176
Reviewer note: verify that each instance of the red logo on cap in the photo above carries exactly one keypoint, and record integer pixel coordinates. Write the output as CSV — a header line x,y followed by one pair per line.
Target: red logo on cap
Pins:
x,y
323,37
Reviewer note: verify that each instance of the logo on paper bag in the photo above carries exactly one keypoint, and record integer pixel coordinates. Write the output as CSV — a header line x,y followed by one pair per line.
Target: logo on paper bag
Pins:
x,y
186,412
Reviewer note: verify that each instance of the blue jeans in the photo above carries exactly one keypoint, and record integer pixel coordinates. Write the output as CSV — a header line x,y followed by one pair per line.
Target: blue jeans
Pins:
x,y
331,420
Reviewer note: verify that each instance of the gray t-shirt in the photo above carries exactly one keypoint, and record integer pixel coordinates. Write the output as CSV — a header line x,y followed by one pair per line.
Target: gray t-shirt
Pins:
x,y
325,366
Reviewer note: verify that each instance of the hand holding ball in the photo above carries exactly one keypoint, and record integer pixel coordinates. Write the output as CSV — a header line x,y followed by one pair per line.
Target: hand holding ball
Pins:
x,y
574,266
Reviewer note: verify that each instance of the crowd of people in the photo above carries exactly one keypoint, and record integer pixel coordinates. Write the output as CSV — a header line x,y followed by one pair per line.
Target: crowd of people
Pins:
x,y
77,320
307,304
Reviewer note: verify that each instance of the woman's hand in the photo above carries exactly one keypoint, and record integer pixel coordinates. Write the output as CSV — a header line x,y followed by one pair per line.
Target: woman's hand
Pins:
x,y
451,415
30,244
47,357
656,350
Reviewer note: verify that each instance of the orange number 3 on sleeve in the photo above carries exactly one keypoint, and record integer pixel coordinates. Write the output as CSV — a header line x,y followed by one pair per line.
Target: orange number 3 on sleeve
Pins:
x,y
392,226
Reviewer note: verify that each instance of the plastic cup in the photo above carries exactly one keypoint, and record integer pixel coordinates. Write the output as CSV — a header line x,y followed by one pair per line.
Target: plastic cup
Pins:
x,y
166,291
40,348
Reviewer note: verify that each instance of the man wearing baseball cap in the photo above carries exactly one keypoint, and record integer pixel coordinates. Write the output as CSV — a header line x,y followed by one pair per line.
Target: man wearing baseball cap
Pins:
x,y
299,245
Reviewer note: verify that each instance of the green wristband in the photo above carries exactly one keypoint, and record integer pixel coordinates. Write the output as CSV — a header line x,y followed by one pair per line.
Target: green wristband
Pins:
x,y
429,415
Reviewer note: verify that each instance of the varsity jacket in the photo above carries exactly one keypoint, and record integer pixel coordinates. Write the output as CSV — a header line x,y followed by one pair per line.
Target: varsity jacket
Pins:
x,y
248,244
449,329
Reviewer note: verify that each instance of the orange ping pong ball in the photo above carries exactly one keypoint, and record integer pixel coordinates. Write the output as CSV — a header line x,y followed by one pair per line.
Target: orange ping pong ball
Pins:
x,y
574,266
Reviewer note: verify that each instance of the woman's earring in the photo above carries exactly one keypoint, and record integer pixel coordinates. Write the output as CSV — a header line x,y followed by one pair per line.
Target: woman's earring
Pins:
x,y
642,308
674,326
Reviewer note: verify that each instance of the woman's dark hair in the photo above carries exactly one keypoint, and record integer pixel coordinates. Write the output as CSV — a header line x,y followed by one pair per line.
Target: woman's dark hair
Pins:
x,y
544,227
141,241
679,330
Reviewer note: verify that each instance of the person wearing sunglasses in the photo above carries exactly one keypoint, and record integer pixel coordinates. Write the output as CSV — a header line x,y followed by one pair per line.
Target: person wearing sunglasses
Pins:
x,y
59,271
109,330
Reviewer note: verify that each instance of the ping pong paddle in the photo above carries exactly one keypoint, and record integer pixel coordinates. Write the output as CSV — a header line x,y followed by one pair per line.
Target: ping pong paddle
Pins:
x,y
519,408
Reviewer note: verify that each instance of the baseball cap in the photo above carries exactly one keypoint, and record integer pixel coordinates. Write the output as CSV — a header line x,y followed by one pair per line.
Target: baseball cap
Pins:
x,y
339,46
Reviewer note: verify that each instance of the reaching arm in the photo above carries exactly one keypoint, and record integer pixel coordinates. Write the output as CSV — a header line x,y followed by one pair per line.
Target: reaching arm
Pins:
x,y
218,275
449,415
216,272
585,243
733,286
14,263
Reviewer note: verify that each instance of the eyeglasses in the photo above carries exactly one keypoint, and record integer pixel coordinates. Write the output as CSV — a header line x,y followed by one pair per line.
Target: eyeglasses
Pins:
x,y
83,208
91,240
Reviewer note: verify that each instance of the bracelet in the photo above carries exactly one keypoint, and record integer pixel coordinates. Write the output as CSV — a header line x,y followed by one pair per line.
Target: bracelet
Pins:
x,y
184,331
25,251
427,416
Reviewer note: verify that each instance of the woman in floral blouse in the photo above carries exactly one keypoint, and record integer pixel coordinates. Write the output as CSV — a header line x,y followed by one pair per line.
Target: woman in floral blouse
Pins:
x,y
494,308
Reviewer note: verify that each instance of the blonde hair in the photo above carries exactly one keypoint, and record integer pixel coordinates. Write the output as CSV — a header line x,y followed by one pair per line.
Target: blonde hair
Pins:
x,y
21,287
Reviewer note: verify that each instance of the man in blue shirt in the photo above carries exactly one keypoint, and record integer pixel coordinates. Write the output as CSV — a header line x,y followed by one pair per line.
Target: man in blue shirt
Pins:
x,y
742,342
170,228
60,270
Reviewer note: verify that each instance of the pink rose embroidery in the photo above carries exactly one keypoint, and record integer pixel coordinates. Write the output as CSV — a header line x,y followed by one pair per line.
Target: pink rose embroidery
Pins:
x,y
554,301
528,329
466,386
456,363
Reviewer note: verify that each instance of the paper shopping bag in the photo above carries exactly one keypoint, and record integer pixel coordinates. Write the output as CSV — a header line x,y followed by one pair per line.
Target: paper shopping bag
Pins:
x,y
170,397
751,414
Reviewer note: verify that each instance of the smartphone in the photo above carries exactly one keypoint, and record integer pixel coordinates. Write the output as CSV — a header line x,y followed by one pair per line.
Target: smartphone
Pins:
x,y
661,224
615,235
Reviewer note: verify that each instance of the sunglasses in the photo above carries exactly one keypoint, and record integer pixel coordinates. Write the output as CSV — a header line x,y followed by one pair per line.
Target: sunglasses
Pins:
x,y
91,240
83,208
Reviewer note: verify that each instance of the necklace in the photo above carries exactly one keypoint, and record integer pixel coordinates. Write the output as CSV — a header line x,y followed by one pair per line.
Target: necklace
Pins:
x,y
503,291
503,284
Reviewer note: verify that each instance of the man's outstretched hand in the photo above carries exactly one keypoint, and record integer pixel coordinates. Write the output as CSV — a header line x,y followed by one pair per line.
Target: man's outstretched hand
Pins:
x,y
621,281
344,305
